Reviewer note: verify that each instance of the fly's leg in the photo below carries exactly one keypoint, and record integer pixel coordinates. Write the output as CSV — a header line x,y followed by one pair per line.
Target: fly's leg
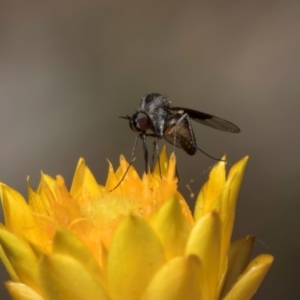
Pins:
x,y
143,137
187,118
130,163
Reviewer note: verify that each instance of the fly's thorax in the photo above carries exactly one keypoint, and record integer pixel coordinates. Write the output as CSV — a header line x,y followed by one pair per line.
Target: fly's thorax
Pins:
x,y
151,102
155,106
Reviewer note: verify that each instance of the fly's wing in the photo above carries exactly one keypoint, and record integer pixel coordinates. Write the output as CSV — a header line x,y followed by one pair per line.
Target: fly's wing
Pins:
x,y
209,120
181,136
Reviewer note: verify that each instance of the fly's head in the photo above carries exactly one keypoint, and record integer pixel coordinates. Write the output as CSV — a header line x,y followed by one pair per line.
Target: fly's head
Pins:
x,y
139,122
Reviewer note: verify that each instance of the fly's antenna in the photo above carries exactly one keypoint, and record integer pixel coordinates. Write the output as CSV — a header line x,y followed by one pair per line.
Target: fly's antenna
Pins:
x,y
126,118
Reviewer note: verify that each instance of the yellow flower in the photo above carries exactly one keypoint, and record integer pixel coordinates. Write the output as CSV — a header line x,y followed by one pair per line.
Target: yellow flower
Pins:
x,y
139,241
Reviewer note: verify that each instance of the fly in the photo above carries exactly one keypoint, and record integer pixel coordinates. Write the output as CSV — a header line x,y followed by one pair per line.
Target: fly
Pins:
x,y
156,118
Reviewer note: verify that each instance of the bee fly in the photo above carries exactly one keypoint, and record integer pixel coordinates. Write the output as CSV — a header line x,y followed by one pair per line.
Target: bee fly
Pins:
x,y
155,117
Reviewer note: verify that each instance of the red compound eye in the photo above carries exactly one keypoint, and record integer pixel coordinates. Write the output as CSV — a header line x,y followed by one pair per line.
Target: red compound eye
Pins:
x,y
143,122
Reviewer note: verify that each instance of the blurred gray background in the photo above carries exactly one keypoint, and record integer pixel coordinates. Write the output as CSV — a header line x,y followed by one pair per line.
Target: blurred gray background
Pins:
x,y
69,69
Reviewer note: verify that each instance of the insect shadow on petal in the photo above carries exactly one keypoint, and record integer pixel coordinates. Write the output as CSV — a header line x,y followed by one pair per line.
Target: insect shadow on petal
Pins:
x,y
156,118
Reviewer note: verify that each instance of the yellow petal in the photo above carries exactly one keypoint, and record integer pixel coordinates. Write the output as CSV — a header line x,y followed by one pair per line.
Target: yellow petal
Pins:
x,y
134,257
171,168
172,227
239,258
205,242
63,277
36,203
43,197
227,206
42,217
123,167
48,186
125,177
181,278
17,214
21,291
67,244
21,258
200,202
251,279
8,266
161,166
84,182
111,180
211,191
